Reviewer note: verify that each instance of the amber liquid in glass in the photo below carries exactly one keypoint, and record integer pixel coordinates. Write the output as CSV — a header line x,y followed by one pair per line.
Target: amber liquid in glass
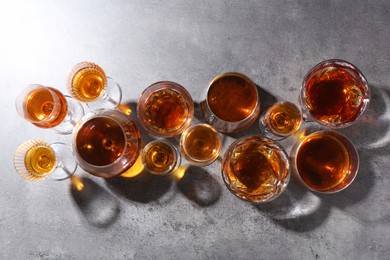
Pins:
x,y
159,158
166,110
232,98
334,96
254,170
323,162
40,105
284,118
40,160
88,83
100,141
201,144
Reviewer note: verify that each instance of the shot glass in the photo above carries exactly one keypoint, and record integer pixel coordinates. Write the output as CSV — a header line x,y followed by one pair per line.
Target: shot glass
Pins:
x,y
200,144
231,103
165,109
160,157
325,161
334,93
280,120
256,169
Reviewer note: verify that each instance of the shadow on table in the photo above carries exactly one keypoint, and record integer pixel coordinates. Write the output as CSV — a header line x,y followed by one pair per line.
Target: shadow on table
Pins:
x,y
99,207
199,186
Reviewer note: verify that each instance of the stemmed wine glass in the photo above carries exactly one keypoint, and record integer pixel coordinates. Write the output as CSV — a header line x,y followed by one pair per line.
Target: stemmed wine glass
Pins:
x,y
87,82
36,159
47,107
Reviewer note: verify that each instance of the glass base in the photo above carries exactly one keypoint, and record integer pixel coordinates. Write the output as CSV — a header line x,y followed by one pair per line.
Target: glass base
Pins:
x,y
66,165
110,99
73,116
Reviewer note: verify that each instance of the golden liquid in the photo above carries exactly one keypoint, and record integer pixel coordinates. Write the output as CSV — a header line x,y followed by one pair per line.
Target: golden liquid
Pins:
x,y
43,109
88,83
159,158
284,118
201,144
232,97
166,110
334,96
254,169
323,162
40,160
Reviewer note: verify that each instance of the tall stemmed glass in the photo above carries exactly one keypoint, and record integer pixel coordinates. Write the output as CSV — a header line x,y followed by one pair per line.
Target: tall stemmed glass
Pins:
x,y
47,107
87,82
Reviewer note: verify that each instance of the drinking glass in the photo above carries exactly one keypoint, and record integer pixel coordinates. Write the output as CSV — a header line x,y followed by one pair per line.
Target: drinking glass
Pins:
x,y
231,103
256,169
87,82
160,157
200,144
106,143
325,161
36,159
334,93
165,109
280,120
47,107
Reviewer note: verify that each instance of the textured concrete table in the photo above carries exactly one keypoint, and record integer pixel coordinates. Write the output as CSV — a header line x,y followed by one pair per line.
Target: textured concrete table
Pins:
x,y
140,42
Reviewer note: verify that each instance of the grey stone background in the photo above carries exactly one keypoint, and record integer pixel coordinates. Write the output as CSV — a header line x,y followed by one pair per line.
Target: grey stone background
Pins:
x,y
140,42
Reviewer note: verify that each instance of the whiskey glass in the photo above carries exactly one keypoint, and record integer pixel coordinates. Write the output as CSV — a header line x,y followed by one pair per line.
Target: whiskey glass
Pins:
x,y
106,143
231,103
200,144
87,82
334,93
36,159
160,157
256,169
325,161
165,109
280,120
47,107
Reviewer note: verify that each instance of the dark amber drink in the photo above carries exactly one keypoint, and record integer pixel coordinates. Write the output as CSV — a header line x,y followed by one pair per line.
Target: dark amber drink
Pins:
x,y
232,103
86,81
256,169
335,93
45,107
326,161
106,143
165,109
200,144
160,157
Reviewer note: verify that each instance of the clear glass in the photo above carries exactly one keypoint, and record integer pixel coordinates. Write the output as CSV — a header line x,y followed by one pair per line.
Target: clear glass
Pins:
x,y
165,109
231,103
280,120
256,169
200,144
36,160
334,93
106,143
87,82
47,107
160,157
325,161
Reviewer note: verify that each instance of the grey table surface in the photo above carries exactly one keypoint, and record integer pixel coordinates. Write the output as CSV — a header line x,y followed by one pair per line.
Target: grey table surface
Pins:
x,y
190,42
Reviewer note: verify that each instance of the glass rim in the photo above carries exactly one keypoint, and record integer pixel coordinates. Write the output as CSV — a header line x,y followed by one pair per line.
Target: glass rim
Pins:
x,y
88,118
180,90
343,64
245,195
183,149
352,152
254,111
